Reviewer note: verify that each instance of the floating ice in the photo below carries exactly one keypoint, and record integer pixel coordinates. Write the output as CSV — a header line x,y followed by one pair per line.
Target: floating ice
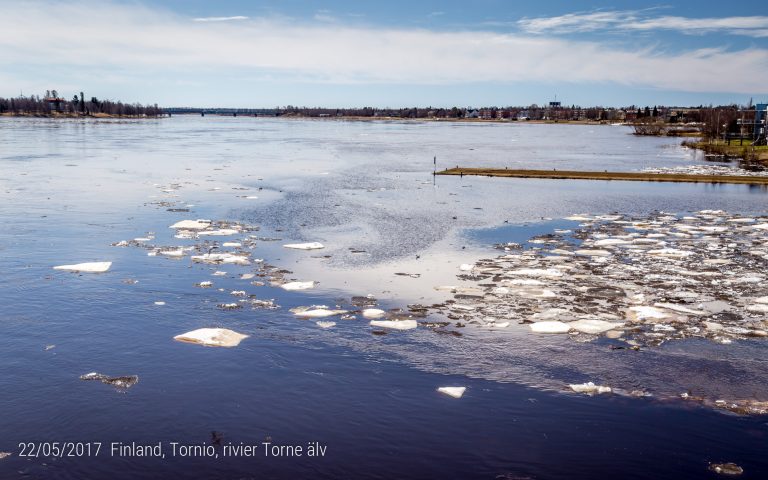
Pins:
x,y
319,313
455,392
589,388
89,267
191,225
730,469
395,324
549,327
227,258
212,337
373,313
298,285
122,382
593,326
221,232
322,324
593,253
534,272
305,246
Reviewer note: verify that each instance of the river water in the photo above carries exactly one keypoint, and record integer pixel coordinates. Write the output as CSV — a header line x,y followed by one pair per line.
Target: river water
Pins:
x,y
72,188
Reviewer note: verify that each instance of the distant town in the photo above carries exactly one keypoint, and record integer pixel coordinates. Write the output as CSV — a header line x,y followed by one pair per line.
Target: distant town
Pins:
x,y
715,124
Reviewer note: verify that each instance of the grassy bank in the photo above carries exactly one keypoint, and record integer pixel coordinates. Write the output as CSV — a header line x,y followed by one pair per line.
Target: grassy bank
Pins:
x,y
621,176
734,150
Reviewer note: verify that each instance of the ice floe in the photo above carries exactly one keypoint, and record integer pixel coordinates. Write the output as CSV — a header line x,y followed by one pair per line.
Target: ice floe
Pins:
x,y
212,337
395,324
455,392
305,246
88,267
590,388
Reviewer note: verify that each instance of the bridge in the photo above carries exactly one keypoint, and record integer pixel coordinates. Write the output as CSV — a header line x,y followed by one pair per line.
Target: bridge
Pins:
x,y
265,112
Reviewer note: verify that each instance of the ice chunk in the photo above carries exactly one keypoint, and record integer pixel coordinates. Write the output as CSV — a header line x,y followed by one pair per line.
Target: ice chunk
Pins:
x,y
498,324
395,324
642,312
232,244
679,308
536,272
319,313
550,327
593,327
373,313
589,388
221,232
305,246
610,242
122,382
227,258
670,252
593,253
191,225
212,337
465,267
298,285
730,469
322,324
159,304
89,267
758,308
455,392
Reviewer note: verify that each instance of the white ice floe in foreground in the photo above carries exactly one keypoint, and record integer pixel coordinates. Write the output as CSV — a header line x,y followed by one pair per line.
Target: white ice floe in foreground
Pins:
x,y
88,267
455,392
395,324
298,285
373,313
594,326
550,327
305,246
323,324
212,337
227,258
319,313
191,225
590,388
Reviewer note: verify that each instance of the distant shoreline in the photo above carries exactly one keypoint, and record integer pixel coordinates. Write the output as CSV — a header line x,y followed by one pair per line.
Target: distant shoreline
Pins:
x,y
406,119
70,116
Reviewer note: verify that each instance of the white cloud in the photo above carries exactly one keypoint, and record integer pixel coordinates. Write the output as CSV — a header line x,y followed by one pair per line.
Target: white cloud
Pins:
x,y
101,37
220,19
634,20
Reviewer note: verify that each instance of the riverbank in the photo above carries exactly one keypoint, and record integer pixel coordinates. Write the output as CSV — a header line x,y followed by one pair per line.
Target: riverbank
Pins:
x,y
74,115
733,150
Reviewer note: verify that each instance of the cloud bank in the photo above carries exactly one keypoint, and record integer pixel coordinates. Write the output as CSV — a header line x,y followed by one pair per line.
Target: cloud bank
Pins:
x,y
753,26
100,37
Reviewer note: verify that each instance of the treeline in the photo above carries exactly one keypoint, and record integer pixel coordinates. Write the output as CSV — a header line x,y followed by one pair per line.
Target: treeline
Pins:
x,y
52,105
709,122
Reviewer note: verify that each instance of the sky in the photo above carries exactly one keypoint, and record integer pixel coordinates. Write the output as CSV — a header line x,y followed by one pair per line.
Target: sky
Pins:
x,y
344,53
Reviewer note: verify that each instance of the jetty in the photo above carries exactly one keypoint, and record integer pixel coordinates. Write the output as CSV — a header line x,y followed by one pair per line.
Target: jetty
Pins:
x,y
606,175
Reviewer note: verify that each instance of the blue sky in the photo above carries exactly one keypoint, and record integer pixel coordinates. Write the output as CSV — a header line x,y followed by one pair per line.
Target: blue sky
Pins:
x,y
397,53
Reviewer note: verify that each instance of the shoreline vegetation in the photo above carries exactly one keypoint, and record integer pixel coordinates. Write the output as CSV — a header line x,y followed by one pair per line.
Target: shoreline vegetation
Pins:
x,y
622,176
731,132
54,106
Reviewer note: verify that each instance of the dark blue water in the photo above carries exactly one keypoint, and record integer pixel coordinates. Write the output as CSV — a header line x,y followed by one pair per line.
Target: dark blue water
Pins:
x,y
370,399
